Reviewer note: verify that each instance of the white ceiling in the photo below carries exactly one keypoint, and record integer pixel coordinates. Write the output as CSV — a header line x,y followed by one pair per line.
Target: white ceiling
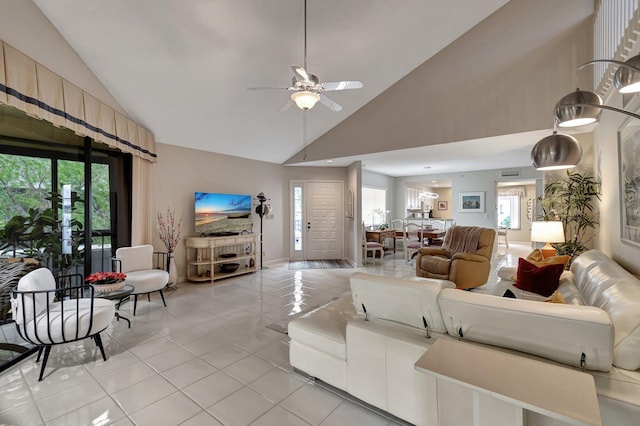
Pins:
x,y
182,67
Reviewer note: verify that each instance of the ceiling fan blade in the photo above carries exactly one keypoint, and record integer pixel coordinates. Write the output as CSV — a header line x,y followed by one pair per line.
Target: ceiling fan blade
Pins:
x,y
300,72
324,100
287,105
268,88
342,85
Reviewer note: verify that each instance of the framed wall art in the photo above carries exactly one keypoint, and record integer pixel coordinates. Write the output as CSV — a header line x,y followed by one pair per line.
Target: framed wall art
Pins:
x,y
628,161
442,205
471,202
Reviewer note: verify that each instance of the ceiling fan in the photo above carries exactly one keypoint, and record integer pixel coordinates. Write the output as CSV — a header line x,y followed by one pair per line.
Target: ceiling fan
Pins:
x,y
307,88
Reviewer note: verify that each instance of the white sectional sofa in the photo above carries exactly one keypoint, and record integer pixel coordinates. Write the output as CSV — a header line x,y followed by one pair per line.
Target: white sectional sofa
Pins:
x,y
367,344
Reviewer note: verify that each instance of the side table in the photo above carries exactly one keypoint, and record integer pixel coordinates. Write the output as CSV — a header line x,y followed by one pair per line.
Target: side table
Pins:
x,y
118,295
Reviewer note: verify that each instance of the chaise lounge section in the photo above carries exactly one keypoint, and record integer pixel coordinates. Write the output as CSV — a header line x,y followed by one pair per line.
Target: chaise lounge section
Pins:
x,y
367,344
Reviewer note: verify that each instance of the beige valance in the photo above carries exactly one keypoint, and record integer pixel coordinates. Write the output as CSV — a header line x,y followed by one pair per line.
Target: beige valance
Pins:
x,y
39,92
512,190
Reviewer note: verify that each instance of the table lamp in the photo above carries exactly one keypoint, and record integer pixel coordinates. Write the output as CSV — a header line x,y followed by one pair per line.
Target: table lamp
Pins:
x,y
547,232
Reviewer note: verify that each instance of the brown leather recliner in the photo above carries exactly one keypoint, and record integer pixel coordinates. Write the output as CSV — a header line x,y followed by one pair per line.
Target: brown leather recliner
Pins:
x,y
466,269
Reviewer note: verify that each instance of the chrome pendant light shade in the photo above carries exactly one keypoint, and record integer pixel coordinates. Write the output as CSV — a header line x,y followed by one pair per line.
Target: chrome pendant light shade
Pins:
x,y
556,152
627,78
577,109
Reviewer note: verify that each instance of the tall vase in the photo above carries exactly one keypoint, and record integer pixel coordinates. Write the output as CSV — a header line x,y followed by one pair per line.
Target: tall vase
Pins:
x,y
173,270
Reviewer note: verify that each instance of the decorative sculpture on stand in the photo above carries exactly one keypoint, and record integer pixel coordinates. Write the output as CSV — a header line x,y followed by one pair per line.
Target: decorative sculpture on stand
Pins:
x,y
262,210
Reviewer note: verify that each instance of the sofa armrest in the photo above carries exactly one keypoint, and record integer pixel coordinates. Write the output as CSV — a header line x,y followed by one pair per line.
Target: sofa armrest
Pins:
x,y
470,257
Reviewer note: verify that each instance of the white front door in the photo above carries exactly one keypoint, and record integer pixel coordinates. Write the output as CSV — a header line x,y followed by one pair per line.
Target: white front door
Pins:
x,y
321,226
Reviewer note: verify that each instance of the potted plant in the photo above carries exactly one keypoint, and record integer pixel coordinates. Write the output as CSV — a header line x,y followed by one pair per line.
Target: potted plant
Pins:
x,y
571,200
38,234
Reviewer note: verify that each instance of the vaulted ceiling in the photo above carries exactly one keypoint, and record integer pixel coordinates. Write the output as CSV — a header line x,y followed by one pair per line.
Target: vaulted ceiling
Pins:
x,y
181,67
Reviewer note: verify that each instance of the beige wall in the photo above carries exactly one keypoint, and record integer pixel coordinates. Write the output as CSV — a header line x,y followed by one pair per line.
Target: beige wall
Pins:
x,y
444,194
24,27
180,172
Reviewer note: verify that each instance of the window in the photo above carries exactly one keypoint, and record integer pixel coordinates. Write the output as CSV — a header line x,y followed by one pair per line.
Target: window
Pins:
x,y
374,206
509,211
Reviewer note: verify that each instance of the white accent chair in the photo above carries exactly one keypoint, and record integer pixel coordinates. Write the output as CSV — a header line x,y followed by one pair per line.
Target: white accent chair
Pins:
x,y
48,315
137,263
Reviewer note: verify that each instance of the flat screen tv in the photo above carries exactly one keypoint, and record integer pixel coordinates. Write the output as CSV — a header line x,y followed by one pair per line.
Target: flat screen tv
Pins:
x,y
222,214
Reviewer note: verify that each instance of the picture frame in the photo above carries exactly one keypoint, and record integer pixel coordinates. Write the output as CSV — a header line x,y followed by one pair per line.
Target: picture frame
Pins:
x,y
629,181
471,202
443,205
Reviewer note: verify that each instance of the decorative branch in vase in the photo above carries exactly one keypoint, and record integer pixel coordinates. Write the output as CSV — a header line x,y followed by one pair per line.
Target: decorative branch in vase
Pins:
x,y
168,231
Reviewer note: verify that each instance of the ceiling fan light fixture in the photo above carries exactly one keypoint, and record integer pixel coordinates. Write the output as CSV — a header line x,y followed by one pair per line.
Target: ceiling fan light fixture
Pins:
x,y
578,109
627,79
556,152
305,100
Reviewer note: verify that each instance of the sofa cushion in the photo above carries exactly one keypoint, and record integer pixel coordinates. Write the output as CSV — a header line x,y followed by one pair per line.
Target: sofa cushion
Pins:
x,y
407,301
543,280
324,329
538,259
554,331
606,285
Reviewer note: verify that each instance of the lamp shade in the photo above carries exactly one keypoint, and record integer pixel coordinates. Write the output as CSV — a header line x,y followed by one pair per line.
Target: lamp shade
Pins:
x,y
575,109
556,152
547,232
305,99
627,79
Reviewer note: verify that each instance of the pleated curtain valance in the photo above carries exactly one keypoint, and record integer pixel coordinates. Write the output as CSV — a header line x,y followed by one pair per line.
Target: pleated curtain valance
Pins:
x,y
512,190
39,92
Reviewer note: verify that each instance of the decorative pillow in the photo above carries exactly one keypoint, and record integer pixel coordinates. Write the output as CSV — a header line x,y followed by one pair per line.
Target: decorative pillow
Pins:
x,y
542,280
537,259
556,297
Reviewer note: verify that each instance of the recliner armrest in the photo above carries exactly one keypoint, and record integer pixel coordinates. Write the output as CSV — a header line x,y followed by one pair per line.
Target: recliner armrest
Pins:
x,y
470,256
431,251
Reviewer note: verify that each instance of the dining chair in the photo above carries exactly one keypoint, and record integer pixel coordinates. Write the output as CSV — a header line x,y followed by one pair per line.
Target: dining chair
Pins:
x,y
372,247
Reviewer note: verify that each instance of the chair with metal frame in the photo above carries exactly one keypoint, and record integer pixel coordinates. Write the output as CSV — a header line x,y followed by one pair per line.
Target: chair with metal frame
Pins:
x,y
137,263
47,314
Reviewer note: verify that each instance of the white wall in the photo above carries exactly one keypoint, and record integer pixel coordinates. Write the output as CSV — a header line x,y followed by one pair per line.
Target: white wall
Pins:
x,y
477,181
607,170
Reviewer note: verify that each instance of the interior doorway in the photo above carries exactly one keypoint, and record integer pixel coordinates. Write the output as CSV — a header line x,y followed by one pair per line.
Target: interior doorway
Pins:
x,y
515,208
317,225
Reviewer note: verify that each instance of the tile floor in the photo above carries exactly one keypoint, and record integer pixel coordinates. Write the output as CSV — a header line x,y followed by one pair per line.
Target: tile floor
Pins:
x,y
206,359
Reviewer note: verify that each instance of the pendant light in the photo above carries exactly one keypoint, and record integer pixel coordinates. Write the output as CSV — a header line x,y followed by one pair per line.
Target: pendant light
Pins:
x,y
556,152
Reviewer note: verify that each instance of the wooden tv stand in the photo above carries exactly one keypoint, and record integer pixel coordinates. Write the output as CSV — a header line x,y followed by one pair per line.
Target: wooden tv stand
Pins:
x,y
205,255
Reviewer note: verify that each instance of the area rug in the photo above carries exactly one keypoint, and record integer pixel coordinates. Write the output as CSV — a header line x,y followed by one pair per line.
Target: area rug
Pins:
x,y
319,264
282,326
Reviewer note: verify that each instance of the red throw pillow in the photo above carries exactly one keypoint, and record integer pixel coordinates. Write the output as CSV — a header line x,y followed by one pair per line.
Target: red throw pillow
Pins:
x,y
543,280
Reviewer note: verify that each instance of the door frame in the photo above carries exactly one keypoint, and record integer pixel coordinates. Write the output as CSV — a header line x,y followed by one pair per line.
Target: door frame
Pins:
x,y
302,254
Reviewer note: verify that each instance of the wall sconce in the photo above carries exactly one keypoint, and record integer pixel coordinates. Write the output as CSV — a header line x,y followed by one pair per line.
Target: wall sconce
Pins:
x,y
578,109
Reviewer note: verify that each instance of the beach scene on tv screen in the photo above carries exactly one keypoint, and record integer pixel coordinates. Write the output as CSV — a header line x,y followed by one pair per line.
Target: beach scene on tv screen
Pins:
x,y
222,213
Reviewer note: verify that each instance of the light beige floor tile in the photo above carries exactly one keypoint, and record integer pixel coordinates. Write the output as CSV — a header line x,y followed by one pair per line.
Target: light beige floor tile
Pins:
x,y
68,400
312,403
202,419
277,384
25,414
169,359
224,356
143,393
126,376
189,372
278,416
349,413
101,412
240,408
212,389
249,369
171,410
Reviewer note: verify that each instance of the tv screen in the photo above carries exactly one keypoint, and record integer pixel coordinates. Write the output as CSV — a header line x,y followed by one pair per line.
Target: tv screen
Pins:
x,y
222,214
